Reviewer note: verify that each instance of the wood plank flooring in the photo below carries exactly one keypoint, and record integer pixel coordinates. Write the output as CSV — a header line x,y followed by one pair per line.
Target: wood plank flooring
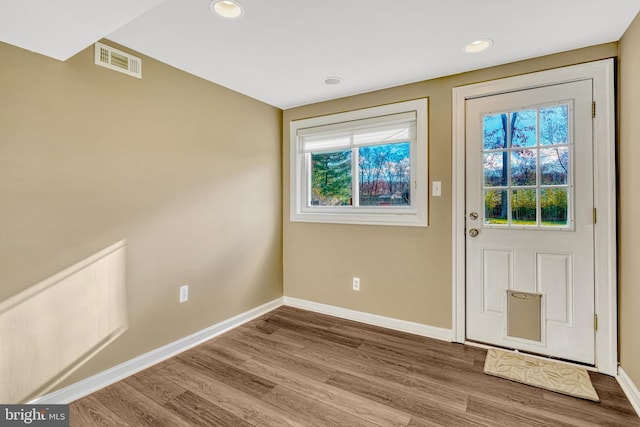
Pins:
x,y
296,368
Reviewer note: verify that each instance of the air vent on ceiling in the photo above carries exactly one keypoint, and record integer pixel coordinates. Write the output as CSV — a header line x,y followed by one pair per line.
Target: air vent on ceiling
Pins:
x,y
118,60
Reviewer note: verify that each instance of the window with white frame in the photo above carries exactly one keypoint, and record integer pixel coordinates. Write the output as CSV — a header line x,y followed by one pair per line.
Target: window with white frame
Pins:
x,y
361,167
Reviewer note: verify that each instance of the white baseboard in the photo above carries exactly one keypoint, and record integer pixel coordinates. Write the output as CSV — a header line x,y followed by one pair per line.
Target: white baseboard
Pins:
x,y
372,319
630,389
103,379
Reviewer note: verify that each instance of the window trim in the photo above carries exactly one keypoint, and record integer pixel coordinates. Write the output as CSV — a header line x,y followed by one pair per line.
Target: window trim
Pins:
x,y
416,215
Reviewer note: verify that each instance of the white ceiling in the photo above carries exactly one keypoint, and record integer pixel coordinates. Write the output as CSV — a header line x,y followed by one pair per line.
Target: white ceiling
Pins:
x,y
280,50
60,29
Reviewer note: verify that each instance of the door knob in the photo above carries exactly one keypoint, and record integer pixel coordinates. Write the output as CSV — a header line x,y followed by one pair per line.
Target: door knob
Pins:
x,y
474,232
473,215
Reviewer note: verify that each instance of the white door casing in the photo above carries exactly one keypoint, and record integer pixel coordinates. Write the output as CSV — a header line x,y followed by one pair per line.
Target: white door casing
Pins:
x,y
601,74
549,254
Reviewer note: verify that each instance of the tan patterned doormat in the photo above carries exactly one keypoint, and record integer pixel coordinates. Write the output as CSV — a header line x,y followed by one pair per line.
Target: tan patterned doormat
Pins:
x,y
543,373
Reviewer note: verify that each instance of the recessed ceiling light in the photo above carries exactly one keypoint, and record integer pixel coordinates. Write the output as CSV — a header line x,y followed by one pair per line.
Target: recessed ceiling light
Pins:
x,y
478,45
332,81
227,8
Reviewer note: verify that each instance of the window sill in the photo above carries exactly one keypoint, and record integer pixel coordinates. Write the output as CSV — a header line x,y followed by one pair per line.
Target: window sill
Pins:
x,y
408,219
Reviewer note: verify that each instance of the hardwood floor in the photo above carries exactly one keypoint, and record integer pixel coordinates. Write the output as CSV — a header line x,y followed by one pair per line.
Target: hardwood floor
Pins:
x,y
296,368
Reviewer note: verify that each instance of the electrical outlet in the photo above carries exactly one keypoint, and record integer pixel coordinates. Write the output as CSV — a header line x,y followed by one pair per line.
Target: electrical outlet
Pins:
x,y
356,283
184,293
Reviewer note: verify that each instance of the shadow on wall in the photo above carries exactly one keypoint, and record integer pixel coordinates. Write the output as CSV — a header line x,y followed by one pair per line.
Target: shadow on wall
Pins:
x,y
51,329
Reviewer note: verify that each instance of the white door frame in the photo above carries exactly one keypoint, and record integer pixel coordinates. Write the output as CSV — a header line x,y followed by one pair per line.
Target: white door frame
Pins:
x,y
605,262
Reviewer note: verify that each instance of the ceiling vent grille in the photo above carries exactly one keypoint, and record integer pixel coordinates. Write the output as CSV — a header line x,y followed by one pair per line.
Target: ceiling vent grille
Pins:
x,y
118,60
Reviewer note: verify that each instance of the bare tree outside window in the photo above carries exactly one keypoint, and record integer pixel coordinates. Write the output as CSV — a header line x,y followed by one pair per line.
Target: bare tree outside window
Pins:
x,y
526,167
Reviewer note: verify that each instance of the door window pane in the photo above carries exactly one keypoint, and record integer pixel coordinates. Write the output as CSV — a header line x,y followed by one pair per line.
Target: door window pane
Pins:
x,y
523,128
495,207
523,167
553,207
384,173
523,207
495,169
554,165
495,131
554,124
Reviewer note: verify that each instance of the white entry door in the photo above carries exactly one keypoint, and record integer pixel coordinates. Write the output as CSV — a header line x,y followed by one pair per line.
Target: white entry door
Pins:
x,y
530,221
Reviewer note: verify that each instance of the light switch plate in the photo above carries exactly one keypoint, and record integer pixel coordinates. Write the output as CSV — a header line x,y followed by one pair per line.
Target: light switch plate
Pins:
x,y
184,293
436,188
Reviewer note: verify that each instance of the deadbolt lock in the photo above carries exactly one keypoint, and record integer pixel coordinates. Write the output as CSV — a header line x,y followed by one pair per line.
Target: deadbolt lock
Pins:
x,y
473,215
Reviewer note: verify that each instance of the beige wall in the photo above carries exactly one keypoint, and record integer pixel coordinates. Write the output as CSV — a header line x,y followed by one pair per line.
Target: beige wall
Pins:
x,y
188,172
629,201
89,157
405,272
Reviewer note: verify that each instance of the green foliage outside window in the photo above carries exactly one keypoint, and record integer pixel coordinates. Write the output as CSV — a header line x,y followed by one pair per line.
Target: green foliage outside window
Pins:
x,y
331,178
